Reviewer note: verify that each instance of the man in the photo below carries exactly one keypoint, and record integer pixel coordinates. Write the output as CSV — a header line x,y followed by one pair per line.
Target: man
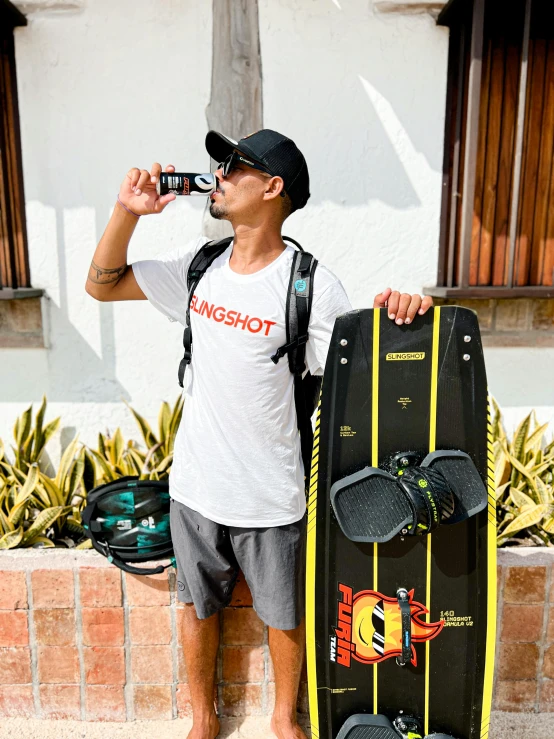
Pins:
x,y
237,481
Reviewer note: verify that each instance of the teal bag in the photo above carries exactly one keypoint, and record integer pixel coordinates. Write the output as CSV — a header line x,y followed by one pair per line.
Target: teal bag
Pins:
x,y
127,520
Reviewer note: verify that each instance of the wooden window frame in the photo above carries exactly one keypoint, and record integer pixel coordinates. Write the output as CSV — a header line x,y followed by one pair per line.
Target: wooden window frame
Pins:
x,y
15,279
460,155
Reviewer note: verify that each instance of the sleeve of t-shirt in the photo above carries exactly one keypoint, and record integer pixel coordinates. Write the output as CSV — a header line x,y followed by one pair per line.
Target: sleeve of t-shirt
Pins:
x,y
332,302
164,280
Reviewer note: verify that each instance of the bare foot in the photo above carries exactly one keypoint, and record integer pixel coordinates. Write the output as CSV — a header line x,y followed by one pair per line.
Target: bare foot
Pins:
x,y
286,729
205,728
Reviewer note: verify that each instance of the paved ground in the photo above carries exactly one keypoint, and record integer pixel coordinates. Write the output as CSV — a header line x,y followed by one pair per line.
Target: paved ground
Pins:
x,y
504,726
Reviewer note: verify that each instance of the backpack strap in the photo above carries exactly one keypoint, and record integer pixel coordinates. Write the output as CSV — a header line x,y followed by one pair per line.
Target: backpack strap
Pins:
x,y
200,263
299,306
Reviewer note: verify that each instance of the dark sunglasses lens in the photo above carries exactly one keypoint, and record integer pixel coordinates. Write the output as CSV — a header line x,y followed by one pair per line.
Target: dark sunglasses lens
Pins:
x,y
226,165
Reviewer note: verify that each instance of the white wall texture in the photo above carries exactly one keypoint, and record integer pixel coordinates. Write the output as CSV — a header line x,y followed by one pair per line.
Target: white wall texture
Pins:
x,y
125,84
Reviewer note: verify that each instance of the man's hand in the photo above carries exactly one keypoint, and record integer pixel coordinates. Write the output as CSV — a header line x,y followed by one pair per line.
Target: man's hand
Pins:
x,y
402,307
138,190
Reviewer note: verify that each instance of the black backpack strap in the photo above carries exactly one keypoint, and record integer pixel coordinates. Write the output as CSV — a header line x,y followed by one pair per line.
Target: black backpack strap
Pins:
x,y
200,263
299,306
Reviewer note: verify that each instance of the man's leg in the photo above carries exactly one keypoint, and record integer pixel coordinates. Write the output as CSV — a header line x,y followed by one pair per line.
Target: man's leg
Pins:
x,y
287,654
200,640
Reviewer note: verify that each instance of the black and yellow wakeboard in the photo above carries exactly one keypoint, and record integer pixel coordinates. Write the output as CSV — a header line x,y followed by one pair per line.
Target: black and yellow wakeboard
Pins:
x,y
401,568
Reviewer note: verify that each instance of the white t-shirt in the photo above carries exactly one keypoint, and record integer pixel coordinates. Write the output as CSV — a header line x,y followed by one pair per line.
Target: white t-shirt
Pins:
x,y
237,457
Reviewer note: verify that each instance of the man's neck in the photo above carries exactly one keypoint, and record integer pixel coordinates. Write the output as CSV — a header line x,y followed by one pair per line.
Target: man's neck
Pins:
x,y
254,248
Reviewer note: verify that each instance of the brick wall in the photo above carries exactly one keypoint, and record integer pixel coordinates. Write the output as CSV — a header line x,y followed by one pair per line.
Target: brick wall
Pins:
x,y
81,640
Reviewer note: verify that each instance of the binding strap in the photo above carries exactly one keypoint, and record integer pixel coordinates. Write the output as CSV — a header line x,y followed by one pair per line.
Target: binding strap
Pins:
x,y
406,624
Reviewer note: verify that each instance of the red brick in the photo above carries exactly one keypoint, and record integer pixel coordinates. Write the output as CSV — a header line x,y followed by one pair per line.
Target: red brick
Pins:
x,y
150,625
241,700
525,585
104,665
522,623
518,661
548,664
550,626
13,590
15,665
182,675
105,703
13,629
147,591
241,594
55,627
103,627
515,695
60,701
58,665
52,589
17,700
184,706
153,702
152,664
546,704
242,626
243,664
100,587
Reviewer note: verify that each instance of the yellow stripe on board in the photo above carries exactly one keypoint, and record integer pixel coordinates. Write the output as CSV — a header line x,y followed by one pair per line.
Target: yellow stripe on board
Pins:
x,y
491,599
432,446
375,458
310,587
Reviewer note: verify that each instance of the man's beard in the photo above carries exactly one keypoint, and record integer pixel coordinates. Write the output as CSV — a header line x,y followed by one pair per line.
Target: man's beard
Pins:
x,y
218,210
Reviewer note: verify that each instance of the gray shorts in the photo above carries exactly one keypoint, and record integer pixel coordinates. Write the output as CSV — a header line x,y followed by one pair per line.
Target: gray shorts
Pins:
x,y
210,555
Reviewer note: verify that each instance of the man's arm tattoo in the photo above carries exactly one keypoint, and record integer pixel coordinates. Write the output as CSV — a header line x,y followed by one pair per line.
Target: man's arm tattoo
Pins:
x,y
102,276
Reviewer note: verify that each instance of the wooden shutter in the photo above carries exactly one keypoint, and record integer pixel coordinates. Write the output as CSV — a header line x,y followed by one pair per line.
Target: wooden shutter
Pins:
x,y
497,225
14,261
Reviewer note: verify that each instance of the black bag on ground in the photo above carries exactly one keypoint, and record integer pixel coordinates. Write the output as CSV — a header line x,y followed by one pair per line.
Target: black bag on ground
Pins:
x,y
127,520
299,306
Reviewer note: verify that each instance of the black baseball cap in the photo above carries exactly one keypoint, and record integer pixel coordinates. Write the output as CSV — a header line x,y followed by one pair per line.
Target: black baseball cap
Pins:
x,y
277,153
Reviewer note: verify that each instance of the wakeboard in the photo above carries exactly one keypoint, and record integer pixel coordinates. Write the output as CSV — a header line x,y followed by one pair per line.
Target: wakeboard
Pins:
x,y
401,558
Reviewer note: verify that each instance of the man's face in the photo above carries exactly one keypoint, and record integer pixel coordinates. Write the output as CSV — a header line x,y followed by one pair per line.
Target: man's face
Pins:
x,y
240,194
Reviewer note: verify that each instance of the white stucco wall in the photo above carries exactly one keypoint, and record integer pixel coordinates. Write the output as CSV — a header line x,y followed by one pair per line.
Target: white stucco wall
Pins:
x,y
123,84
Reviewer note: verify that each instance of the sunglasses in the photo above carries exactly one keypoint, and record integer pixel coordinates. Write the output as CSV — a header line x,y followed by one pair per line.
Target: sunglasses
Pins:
x,y
227,165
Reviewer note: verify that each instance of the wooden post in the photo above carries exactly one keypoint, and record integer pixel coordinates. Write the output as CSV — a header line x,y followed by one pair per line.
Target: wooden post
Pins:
x,y
235,107
472,136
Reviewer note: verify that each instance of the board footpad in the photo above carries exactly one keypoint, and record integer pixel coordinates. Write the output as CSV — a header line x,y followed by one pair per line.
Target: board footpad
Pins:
x,y
362,726
374,506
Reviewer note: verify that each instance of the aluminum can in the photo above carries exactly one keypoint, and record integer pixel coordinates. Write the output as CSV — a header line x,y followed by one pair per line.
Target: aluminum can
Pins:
x,y
186,183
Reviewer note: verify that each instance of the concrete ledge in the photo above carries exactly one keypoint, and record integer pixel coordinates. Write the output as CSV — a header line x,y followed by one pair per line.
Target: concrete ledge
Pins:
x,y
48,6
503,726
411,7
69,559
525,556
57,559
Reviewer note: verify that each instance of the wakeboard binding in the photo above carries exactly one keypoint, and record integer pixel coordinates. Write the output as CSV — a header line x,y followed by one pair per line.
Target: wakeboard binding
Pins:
x,y
412,497
376,726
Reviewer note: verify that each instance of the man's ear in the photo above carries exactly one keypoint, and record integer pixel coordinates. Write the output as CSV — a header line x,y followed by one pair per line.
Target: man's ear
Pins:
x,y
274,187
